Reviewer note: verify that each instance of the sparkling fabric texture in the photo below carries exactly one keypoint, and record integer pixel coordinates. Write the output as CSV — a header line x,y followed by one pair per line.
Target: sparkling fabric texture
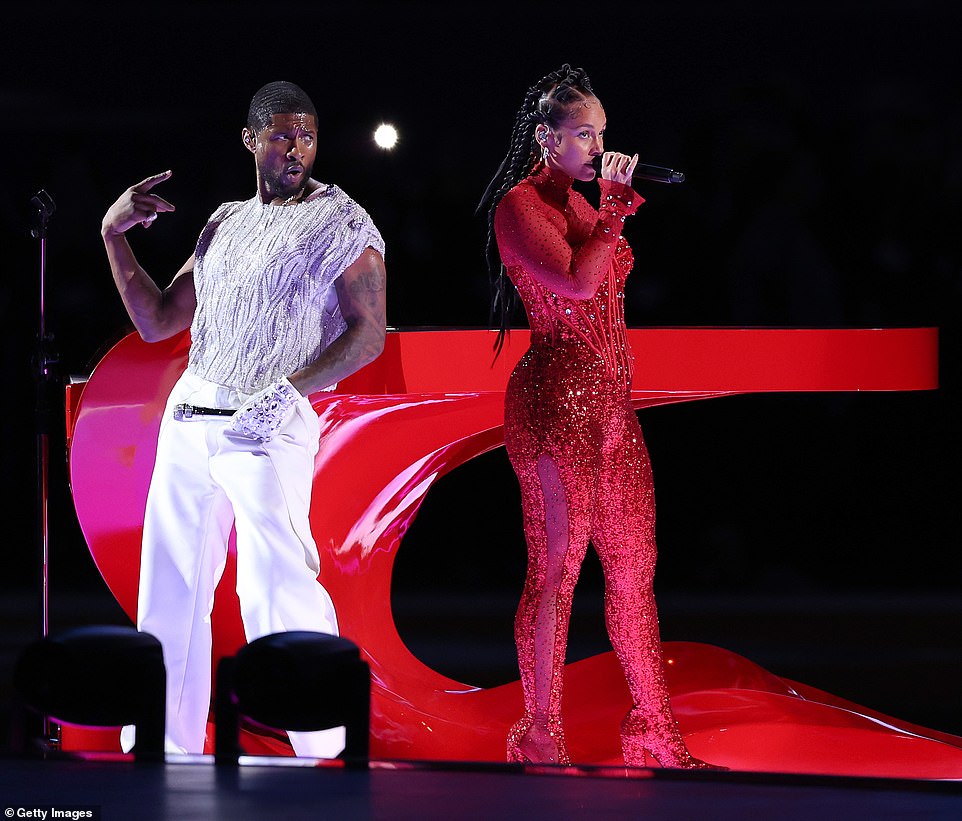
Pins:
x,y
251,330
577,448
262,416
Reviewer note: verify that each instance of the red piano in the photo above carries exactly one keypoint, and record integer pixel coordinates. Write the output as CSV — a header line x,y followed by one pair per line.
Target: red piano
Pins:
x,y
433,401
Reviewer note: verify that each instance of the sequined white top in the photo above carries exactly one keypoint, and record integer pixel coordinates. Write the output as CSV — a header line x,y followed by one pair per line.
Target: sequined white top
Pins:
x,y
264,277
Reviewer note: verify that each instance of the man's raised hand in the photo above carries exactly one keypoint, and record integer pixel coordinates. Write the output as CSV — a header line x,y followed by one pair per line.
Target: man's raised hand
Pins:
x,y
136,205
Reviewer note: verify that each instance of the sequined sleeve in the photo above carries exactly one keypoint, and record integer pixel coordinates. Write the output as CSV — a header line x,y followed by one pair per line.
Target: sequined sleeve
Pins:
x,y
533,235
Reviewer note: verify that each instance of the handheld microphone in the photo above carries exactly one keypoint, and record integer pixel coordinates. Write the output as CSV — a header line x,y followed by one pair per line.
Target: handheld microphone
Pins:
x,y
653,173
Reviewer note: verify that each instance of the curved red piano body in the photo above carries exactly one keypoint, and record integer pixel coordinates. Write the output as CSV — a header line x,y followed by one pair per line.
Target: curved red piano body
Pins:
x,y
433,401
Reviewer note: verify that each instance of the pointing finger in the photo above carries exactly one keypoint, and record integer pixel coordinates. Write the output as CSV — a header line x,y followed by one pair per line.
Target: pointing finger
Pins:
x,y
144,186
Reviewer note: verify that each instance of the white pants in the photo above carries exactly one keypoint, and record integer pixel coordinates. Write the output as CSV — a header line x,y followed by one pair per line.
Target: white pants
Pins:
x,y
208,478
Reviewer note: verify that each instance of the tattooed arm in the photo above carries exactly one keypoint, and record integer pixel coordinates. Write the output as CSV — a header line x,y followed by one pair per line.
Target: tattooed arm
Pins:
x,y
361,295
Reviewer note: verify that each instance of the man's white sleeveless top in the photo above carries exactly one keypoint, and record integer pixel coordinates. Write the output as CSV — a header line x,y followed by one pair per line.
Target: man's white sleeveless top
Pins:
x,y
264,278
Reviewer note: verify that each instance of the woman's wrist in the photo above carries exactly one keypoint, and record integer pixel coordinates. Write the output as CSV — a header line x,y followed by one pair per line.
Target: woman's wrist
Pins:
x,y
619,197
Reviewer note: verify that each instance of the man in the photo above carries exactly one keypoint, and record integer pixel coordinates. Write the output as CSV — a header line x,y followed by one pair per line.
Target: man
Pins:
x,y
284,295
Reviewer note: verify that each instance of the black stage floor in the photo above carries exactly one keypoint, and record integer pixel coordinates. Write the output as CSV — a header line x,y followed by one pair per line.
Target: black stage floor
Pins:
x,y
201,790
897,654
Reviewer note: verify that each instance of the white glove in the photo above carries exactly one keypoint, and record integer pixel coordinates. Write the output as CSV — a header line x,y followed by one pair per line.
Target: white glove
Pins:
x,y
262,416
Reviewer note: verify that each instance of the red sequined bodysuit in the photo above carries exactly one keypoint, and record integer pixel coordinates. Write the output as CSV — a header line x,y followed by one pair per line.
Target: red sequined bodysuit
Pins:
x,y
576,445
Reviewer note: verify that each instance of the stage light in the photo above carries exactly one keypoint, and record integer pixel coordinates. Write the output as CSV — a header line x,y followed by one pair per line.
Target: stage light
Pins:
x,y
386,136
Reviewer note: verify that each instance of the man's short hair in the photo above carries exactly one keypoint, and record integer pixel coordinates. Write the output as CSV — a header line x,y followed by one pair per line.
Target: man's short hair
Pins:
x,y
280,97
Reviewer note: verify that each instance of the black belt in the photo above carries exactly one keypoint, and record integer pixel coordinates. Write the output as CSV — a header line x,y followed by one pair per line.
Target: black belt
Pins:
x,y
185,413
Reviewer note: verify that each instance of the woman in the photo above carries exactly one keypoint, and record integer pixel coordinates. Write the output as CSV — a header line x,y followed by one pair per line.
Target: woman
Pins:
x,y
570,431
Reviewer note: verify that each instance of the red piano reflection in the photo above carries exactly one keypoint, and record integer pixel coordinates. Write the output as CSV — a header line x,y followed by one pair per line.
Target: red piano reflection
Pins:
x,y
432,402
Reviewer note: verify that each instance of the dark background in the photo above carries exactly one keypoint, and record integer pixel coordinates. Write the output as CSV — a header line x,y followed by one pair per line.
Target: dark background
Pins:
x,y
822,142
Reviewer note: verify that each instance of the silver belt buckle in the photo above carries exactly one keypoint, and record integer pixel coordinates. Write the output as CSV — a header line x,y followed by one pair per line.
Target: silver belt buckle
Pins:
x,y
183,413
187,413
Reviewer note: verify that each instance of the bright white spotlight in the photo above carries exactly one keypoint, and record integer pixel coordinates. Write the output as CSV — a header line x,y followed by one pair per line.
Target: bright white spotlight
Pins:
x,y
385,135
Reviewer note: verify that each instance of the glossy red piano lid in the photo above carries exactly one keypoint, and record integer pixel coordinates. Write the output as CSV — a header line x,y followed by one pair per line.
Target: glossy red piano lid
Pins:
x,y
684,360
700,361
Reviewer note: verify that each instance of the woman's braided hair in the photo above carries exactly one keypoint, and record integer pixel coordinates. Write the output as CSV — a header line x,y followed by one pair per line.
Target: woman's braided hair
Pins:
x,y
546,102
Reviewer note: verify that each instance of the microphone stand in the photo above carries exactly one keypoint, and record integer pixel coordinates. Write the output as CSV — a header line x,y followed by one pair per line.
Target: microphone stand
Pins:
x,y
45,358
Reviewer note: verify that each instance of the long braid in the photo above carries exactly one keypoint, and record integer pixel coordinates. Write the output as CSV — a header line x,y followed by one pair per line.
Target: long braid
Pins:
x,y
543,104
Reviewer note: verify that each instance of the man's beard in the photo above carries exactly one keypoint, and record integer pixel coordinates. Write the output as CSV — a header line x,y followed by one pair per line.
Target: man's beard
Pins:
x,y
278,186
